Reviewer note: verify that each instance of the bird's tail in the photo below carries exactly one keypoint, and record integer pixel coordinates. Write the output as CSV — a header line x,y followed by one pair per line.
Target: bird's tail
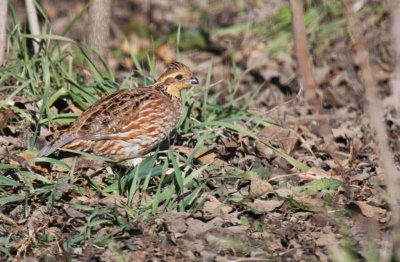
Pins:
x,y
56,144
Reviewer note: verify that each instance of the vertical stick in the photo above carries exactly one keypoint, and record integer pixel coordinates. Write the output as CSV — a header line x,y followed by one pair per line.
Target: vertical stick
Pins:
x,y
395,7
376,117
304,61
33,22
3,30
99,28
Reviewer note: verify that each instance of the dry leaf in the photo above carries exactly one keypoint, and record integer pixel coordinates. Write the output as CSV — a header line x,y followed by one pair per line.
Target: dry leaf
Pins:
x,y
284,192
285,138
259,186
21,158
266,205
214,207
369,210
196,227
328,238
263,150
204,154
165,53
316,173
313,202
175,221
73,213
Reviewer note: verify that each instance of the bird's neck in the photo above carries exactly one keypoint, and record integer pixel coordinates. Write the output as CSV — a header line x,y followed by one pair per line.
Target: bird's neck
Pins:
x,y
174,93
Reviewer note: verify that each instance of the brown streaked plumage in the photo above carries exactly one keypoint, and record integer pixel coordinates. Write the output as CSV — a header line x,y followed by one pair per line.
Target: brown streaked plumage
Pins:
x,y
129,122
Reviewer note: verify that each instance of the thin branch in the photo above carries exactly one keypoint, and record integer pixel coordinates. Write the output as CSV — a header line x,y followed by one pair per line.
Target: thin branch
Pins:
x,y
376,116
304,61
33,22
99,29
395,7
3,30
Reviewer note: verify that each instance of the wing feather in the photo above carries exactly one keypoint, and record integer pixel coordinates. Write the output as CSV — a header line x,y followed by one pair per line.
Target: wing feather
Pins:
x,y
121,115
56,144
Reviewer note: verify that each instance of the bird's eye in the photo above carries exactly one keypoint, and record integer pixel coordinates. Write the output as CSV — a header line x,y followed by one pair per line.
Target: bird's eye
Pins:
x,y
179,77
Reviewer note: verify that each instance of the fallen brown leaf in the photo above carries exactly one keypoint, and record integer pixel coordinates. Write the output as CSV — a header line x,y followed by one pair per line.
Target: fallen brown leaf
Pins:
x,y
259,186
214,207
165,53
283,137
196,226
21,159
328,238
369,210
205,155
175,221
266,205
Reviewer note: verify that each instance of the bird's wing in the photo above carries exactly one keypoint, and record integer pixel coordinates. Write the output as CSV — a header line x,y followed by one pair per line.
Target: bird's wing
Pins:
x,y
122,115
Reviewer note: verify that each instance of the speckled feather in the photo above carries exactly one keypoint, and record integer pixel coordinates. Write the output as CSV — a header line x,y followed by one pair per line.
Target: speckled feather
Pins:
x,y
130,122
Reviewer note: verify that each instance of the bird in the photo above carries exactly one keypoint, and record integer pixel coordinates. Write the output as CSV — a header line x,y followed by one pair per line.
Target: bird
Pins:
x,y
129,123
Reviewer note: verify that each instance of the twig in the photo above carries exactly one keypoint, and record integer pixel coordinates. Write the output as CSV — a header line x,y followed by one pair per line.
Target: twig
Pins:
x,y
33,22
99,29
376,116
3,29
216,83
304,61
395,7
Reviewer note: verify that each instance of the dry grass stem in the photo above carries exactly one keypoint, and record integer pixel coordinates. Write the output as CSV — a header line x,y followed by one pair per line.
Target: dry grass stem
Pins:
x,y
376,116
3,29
304,61
33,22
396,37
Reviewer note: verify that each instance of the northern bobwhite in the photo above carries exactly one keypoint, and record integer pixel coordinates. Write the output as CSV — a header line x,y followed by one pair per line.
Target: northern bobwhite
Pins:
x,y
129,122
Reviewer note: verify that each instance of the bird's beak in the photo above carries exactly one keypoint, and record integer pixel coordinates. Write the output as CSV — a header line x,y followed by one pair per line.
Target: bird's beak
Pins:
x,y
193,80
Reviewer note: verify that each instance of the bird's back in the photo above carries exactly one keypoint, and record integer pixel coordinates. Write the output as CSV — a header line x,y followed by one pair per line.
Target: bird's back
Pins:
x,y
122,125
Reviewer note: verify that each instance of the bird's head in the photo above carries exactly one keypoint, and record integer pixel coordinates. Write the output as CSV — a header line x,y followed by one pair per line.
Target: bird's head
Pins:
x,y
176,78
